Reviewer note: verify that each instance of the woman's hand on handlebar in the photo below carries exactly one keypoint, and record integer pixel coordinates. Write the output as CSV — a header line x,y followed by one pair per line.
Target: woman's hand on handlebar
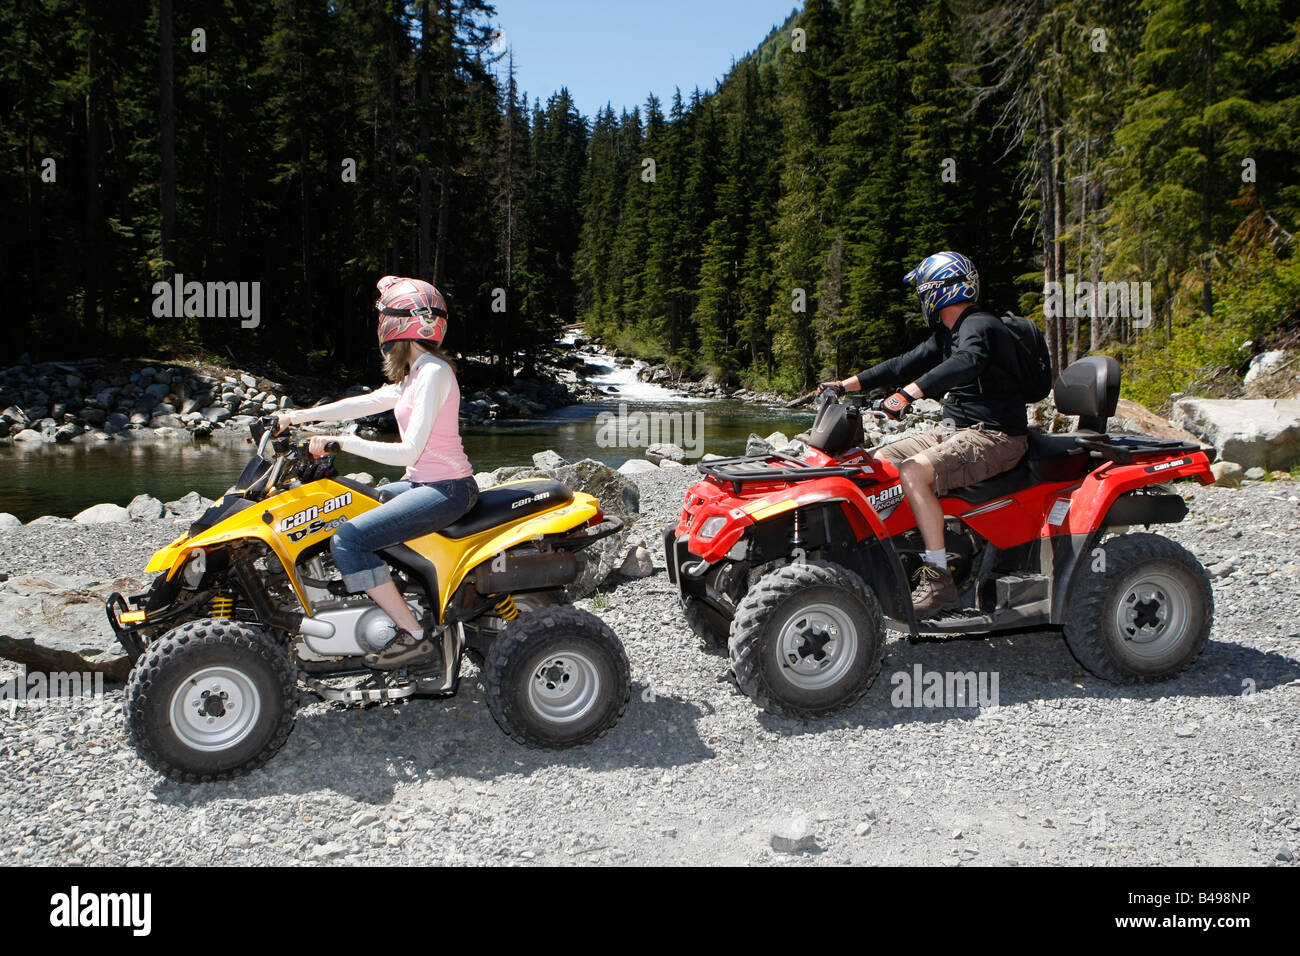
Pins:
x,y
320,445
281,424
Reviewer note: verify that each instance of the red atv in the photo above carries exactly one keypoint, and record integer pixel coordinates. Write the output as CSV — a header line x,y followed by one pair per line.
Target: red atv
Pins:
x,y
798,562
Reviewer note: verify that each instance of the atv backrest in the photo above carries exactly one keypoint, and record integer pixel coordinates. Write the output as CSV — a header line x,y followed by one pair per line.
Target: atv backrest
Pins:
x,y
836,429
1089,388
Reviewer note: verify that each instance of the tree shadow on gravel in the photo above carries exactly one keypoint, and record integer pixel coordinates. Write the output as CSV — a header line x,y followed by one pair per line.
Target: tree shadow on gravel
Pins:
x,y
363,754
1035,668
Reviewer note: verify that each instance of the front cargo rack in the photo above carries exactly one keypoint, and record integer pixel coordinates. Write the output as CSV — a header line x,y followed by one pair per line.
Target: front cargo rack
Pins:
x,y
749,469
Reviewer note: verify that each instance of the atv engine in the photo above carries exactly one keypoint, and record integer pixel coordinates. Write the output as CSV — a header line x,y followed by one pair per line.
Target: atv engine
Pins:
x,y
359,625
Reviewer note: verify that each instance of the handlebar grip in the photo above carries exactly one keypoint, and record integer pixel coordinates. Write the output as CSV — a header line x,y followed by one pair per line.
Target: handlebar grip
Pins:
x,y
333,447
801,400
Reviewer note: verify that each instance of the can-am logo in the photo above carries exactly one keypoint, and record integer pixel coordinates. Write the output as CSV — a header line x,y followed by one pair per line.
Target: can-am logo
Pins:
x,y
76,909
885,502
540,496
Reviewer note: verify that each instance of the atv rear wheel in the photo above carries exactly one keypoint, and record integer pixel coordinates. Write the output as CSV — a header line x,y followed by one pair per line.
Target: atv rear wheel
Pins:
x,y
807,640
210,700
705,623
1145,616
556,677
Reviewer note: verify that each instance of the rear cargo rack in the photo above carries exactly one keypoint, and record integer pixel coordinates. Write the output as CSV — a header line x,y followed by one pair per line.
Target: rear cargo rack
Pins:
x,y
748,469
1122,448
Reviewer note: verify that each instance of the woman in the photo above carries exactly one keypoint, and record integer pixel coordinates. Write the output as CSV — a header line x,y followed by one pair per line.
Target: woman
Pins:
x,y
438,486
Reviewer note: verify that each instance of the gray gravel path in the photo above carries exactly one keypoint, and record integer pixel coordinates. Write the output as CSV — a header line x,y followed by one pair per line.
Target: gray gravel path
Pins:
x,y
1068,770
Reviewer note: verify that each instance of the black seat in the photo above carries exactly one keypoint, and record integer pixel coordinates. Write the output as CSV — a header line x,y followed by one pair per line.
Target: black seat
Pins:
x,y
497,506
999,486
1058,457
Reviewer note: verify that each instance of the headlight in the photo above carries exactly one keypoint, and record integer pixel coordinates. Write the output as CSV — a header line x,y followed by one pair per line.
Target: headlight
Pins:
x,y
195,568
711,527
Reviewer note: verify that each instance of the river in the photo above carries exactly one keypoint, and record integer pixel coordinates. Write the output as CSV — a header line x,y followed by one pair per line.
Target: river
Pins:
x,y
40,479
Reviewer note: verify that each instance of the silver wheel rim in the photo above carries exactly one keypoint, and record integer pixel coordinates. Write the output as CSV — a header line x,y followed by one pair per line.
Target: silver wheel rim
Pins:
x,y
215,708
817,645
1153,615
563,686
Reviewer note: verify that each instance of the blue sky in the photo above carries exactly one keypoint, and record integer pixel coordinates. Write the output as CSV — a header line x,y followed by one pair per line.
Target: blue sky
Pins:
x,y
617,51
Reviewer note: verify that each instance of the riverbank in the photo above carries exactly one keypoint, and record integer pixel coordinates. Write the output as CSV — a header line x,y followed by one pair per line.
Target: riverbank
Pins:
x,y
102,400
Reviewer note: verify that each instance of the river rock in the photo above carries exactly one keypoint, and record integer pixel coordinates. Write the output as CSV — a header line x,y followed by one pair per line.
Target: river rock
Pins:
x,y
793,836
757,446
9,521
638,563
1260,432
216,413
13,415
660,451
57,623
49,519
145,508
116,422
549,459
777,440
28,434
189,506
634,465
1255,474
1227,474
103,514
248,381
94,416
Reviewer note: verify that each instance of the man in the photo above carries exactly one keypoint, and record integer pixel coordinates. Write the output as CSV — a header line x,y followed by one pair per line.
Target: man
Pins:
x,y
972,358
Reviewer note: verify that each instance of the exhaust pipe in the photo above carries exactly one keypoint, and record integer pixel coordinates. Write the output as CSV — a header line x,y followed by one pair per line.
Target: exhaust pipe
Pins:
x,y
526,572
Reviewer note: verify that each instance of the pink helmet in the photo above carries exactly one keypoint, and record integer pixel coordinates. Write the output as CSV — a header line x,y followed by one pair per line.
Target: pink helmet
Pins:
x,y
410,309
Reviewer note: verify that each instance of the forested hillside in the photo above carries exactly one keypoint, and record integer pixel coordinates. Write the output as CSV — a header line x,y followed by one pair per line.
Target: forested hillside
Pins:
x,y
758,232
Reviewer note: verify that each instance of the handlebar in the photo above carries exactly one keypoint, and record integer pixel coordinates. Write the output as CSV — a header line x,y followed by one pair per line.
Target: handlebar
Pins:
x,y
837,390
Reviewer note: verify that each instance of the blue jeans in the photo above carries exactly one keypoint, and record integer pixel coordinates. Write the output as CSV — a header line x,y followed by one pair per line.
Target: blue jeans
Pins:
x,y
417,509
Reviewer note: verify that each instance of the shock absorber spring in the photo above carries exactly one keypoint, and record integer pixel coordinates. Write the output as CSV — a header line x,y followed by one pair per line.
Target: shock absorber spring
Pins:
x,y
506,608
222,608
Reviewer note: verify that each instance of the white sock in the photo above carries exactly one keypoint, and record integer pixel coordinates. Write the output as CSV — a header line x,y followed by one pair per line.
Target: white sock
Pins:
x,y
937,559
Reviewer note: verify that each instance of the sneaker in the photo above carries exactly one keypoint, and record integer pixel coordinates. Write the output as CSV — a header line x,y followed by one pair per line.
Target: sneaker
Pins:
x,y
402,651
935,591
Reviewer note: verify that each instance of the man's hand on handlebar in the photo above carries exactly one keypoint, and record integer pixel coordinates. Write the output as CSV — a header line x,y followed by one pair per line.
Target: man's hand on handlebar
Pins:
x,y
895,407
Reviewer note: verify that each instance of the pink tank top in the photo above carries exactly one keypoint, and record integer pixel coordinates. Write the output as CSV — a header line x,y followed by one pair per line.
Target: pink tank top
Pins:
x,y
444,455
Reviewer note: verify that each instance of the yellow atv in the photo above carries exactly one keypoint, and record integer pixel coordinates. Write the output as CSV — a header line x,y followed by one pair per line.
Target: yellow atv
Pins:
x,y
247,605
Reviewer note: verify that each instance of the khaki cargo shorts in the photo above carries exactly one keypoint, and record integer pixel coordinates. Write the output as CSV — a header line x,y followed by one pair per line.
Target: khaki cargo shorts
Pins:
x,y
959,456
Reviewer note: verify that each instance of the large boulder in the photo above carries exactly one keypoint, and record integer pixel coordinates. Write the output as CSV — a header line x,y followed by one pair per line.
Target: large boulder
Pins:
x,y
57,623
103,514
1134,418
9,521
618,494
1254,432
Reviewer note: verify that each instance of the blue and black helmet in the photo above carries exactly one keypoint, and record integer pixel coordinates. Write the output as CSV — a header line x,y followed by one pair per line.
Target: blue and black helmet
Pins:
x,y
944,278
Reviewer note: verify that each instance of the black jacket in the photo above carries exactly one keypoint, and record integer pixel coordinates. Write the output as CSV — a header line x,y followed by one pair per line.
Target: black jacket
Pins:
x,y
975,363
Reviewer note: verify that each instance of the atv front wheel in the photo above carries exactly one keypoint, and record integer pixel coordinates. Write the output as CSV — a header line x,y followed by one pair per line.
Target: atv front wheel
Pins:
x,y
1144,614
807,640
210,700
556,677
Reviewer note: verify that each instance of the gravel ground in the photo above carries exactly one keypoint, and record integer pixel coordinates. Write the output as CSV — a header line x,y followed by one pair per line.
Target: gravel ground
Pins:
x,y
1068,770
